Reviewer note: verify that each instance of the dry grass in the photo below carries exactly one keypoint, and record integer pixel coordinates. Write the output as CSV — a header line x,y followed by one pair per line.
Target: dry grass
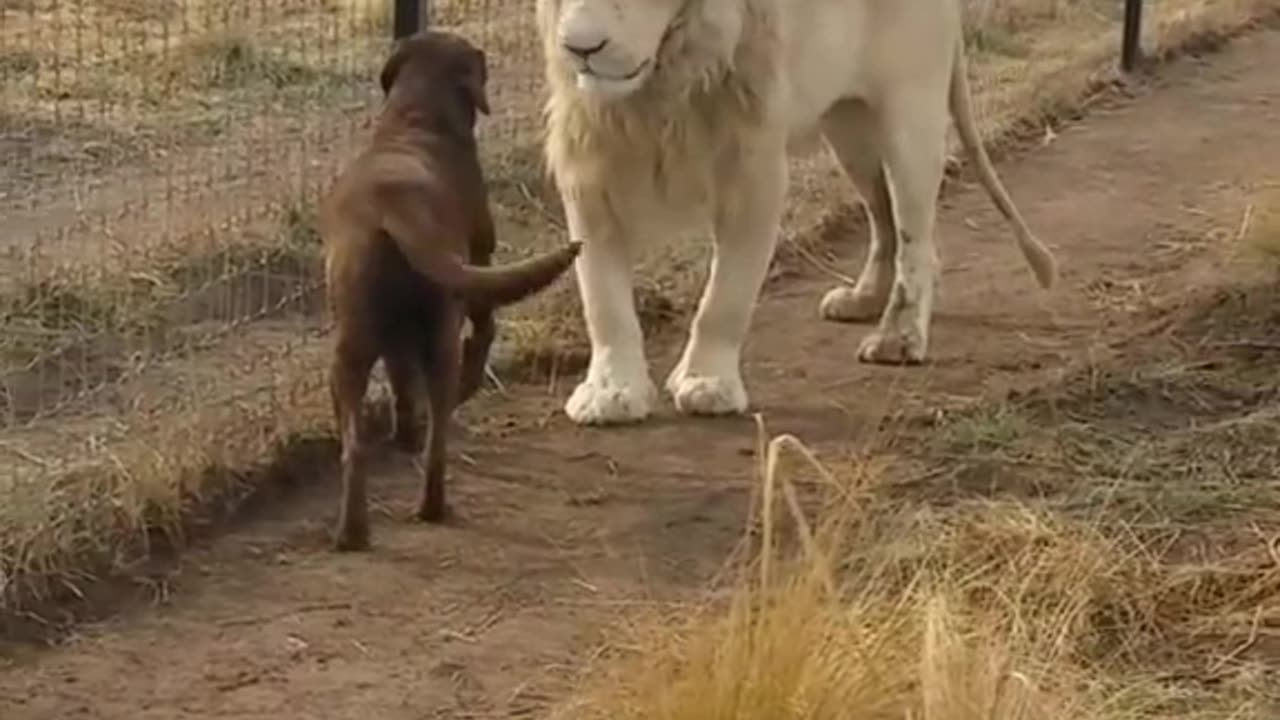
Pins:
x,y
1260,228
1104,547
1001,608
96,493
91,485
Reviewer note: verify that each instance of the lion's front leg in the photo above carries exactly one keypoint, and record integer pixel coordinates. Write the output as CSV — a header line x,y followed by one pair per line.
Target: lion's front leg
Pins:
x,y
617,388
708,378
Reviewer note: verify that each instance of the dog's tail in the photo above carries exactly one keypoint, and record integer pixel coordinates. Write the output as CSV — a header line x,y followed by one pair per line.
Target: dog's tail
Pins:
x,y
486,286
413,227
498,286
1037,255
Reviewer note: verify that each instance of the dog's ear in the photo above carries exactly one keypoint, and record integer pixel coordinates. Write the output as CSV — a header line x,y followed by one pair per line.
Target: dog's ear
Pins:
x,y
475,77
391,68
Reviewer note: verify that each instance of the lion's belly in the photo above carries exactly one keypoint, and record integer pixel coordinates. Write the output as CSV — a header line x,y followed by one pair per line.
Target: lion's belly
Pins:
x,y
801,144
824,44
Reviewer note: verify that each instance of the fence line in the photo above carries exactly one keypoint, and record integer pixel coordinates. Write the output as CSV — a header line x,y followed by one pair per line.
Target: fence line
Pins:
x,y
1131,45
410,16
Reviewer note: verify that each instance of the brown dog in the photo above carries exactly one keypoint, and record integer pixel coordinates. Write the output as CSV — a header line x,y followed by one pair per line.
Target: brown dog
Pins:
x,y
401,224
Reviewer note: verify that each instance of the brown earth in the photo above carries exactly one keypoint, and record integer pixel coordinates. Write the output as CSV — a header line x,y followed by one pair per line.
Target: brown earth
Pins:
x,y
563,529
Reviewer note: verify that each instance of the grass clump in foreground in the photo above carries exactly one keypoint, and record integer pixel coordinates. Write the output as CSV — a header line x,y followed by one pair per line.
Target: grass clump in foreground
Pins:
x,y
1260,228
1104,547
992,609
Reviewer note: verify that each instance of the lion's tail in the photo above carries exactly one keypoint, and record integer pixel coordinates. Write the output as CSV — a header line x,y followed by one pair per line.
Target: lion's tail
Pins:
x,y
1037,255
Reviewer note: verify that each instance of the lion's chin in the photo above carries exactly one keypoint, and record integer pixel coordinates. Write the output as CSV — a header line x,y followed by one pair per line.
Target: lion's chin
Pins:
x,y
609,89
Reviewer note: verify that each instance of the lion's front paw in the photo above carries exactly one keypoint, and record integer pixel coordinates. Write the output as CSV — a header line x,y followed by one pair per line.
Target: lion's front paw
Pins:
x,y
608,402
708,394
852,304
892,348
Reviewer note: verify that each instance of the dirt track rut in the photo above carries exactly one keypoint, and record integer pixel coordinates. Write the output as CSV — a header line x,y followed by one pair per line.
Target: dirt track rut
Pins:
x,y
562,529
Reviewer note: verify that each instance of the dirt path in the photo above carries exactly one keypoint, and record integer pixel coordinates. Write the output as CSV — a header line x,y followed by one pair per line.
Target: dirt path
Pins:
x,y
562,529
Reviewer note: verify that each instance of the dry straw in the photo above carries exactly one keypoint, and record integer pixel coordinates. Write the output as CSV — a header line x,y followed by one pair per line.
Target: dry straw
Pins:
x,y
988,611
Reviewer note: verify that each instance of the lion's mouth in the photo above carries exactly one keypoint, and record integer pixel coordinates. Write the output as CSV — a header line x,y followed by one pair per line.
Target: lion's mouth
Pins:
x,y
586,69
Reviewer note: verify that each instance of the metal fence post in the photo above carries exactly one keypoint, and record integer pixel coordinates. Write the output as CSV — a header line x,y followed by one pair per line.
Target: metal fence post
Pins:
x,y
410,17
1132,35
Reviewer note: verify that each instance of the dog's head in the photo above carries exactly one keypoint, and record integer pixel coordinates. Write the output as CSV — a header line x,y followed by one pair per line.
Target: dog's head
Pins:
x,y
441,66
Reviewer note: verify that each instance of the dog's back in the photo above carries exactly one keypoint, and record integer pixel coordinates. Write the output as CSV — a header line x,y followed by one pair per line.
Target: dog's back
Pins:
x,y
372,284
435,211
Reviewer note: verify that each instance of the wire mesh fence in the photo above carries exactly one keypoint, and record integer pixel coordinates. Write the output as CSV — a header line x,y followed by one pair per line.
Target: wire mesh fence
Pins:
x,y
157,265
160,276
160,290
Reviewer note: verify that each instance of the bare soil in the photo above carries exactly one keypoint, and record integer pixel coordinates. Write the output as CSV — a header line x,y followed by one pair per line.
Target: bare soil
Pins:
x,y
563,530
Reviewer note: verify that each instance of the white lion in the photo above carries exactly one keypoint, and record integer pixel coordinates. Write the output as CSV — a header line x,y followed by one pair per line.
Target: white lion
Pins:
x,y
670,115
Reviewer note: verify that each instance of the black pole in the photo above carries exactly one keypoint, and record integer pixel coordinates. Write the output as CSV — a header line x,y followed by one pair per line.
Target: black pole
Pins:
x,y
1132,35
409,17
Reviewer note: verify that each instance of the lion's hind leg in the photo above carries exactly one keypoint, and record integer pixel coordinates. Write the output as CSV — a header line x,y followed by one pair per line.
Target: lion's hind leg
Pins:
x,y
851,131
915,135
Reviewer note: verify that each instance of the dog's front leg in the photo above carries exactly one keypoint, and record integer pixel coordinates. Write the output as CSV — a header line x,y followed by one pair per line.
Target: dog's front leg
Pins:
x,y
617,388
708,378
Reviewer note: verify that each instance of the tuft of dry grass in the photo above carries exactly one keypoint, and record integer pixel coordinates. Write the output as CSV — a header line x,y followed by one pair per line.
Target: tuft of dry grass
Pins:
x,y
1260,227
986,609
1104,547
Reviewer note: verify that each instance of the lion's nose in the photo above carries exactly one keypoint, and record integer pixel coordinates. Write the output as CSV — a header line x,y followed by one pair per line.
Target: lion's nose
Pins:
x,y
585,51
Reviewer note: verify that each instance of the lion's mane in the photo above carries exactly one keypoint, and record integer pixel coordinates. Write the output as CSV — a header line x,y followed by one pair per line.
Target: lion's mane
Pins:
x,y
716,83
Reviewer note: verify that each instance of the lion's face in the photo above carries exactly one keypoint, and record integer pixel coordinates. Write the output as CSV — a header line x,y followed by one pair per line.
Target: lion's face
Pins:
x,y
611,46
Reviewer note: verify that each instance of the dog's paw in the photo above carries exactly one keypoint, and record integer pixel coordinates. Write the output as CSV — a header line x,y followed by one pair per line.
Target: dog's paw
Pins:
x,y
609,402
409,439
351,537
433,514
851,304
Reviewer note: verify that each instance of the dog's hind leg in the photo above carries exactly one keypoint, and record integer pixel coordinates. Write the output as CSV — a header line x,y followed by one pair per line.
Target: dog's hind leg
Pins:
x,y
444,368
348,381
408,385
475,353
